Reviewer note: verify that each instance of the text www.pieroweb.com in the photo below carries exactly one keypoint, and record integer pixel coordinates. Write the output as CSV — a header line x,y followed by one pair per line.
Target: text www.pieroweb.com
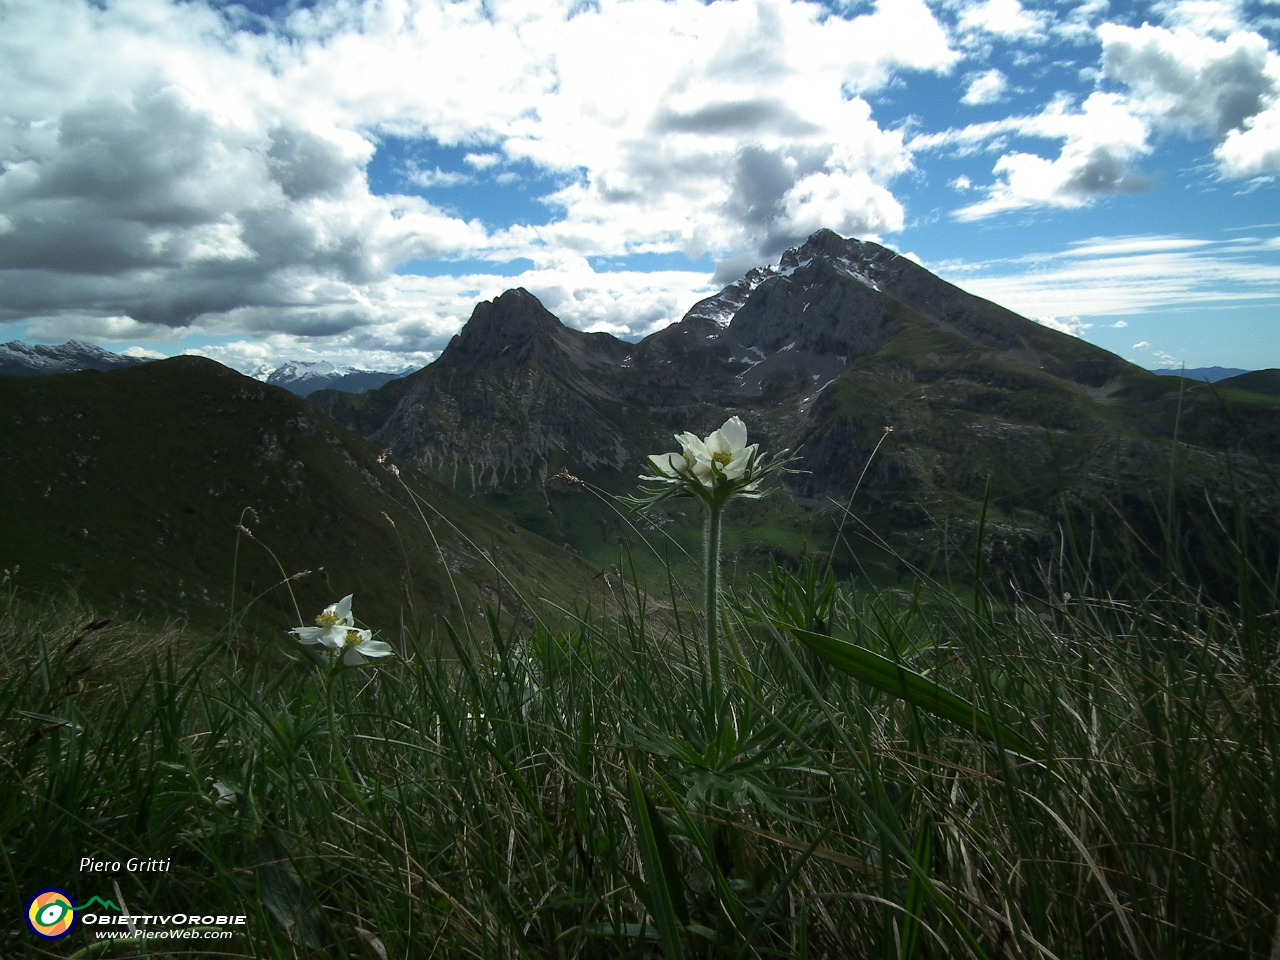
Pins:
x,y
176,934
139,927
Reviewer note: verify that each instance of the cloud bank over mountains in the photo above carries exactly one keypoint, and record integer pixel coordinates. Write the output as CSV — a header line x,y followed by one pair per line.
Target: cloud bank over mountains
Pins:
x,y
1202,77
179,172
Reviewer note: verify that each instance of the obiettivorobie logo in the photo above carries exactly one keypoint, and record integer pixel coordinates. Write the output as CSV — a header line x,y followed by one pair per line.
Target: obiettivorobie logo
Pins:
x,y
51,913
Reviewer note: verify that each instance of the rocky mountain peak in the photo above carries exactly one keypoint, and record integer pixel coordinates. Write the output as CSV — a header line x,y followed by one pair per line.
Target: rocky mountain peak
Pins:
x,y
855,259
861,260
721,308
826,244
305,377
813,276
515,329
299,369
505,332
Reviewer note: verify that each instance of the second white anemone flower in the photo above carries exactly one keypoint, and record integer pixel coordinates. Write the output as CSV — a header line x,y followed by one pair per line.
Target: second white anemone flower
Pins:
x,y
336,631
359,645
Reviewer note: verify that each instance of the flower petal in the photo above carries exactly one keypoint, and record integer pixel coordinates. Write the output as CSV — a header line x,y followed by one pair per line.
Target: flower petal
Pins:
x,y
375,648
693,447
352,658
718,443
742,459
669,464
735,432
308,634
343,609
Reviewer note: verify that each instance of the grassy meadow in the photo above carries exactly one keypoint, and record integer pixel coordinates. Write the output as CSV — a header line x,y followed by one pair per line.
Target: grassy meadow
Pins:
x,y
1085,767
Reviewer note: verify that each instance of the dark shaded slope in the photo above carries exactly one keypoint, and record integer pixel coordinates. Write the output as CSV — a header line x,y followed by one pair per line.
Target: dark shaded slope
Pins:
x,y
1265,382
129,485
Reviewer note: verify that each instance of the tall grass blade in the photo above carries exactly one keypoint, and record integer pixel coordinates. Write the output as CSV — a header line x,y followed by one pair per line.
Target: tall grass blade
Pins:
x,y
666,892
916,891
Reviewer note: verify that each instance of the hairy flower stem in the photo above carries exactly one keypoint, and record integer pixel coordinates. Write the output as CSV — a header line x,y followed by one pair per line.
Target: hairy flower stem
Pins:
x,y
711,561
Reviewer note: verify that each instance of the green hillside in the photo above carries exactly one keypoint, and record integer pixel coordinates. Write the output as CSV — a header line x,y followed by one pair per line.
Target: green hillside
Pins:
x,y
128,486
1265,382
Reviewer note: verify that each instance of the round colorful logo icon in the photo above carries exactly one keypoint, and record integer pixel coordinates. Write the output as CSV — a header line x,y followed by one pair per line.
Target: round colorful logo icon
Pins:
x,y
51,914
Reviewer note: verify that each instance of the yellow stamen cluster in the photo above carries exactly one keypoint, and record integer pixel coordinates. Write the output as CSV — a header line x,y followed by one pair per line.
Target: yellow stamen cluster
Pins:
x,y
328,620
353,638
722,458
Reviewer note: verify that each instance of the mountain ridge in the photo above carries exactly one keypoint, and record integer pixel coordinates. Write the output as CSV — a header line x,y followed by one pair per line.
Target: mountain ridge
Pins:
x,y
18,359
299,377
303,378
819,353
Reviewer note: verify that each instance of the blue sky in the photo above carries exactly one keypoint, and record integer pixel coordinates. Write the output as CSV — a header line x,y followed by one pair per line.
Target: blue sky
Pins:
x,y
343,180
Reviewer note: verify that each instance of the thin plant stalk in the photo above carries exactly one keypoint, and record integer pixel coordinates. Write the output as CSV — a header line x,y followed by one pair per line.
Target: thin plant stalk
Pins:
x,y
711,544
335,746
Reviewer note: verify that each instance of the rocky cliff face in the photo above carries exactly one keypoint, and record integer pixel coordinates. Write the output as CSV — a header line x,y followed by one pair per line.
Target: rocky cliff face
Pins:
x,y
513,396
516,330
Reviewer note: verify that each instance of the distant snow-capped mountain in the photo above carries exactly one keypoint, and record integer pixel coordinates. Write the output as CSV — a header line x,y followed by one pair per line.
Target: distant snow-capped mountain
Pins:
x,y
304,378
18,359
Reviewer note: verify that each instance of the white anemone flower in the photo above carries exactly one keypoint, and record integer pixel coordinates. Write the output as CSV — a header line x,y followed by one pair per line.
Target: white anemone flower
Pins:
x,y
331,626
724,453
714,468
336,631
359,644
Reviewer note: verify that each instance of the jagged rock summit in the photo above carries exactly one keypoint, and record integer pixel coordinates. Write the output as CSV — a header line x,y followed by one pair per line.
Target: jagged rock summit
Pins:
x,y
516,329
832,296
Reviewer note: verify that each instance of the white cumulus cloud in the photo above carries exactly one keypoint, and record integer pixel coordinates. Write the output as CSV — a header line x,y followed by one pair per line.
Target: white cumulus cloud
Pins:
x,y
986,87
1190,83
1199,75
1007,19
1101,142
1072,325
